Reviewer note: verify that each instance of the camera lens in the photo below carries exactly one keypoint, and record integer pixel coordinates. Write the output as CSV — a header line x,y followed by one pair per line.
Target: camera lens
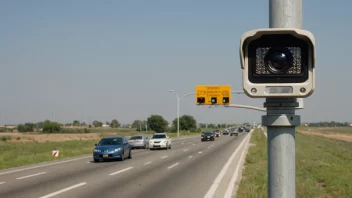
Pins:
x,y
278,60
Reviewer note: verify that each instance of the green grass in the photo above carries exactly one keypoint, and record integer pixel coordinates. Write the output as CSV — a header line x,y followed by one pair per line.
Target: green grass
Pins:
x,y
323,168
19,154
347,130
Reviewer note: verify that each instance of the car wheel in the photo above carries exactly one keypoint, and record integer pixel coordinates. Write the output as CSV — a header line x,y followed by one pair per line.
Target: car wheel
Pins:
x,y
122,156
167,146
96,160
151,149
130,155
170,146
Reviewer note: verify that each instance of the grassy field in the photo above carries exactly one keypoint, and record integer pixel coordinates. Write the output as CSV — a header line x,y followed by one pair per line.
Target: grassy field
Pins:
x,y
323,168
19,154
18,149
345,130
338,133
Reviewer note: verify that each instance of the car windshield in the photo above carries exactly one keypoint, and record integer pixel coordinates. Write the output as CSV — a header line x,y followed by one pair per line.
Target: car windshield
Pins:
x,y
110,141
207,133
136,138
158,136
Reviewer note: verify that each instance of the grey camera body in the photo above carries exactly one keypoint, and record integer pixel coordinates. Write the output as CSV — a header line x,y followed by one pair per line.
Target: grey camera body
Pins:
x,y
278,63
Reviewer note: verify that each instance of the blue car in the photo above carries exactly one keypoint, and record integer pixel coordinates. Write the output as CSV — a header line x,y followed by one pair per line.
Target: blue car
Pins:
x,y
112,148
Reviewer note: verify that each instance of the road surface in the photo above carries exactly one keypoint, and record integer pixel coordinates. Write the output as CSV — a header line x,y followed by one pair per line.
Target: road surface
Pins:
x,y
190,169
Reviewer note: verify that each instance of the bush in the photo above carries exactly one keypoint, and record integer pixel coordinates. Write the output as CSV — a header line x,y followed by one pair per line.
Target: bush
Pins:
x,y
5,138
27,127
51,127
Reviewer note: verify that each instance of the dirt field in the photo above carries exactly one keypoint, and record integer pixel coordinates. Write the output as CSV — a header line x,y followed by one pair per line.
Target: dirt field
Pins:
x,y
328,133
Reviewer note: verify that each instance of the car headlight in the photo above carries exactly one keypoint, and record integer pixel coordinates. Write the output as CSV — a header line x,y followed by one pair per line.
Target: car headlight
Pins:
x,y
118,149
97,150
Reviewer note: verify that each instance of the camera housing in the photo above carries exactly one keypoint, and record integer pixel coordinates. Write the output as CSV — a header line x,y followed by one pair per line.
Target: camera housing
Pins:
x,y
278,63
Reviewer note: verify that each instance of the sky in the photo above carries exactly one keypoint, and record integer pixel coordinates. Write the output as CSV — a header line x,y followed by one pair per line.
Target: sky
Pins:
x,y
104,60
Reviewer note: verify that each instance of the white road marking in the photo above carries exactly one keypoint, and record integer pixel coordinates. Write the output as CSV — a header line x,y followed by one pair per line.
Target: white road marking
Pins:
x,y
147,163
200,152
186,150
218,179
182,143
31,175
208,146
194,144
64,190
120,171
230,187
163,157
88,162
33,167
190,156
172,166
2,183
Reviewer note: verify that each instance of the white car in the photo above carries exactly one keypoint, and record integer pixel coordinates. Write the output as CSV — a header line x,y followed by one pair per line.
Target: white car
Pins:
x,y
159,140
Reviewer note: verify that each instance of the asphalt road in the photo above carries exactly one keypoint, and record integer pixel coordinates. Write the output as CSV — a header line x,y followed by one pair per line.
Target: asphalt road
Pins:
x,y
190,169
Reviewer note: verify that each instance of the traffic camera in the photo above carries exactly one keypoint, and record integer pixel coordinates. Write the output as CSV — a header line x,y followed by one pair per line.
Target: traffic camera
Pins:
x,y
278,62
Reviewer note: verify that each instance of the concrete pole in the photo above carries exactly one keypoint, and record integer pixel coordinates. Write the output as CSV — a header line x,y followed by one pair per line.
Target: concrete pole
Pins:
x,y
178,116
281,119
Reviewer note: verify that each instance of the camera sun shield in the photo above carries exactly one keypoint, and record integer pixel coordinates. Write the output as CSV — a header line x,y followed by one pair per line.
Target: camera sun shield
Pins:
x,y
278,62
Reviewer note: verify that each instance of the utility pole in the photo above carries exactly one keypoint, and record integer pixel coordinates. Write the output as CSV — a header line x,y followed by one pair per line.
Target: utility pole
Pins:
x,y
281,120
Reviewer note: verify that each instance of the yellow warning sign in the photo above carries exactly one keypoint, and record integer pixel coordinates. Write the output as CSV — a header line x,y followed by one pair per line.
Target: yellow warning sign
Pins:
x,y
213,94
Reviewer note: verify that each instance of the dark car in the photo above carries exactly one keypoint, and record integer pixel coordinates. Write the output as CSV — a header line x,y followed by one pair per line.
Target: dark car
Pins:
x,y
247,129
225,132
217,133
112,148
207,136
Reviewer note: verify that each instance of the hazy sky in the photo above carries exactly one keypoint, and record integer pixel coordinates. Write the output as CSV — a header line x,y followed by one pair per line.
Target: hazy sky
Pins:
x,y
118,59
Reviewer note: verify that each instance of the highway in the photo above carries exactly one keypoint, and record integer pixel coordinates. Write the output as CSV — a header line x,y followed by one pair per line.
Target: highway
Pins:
x,y
190,169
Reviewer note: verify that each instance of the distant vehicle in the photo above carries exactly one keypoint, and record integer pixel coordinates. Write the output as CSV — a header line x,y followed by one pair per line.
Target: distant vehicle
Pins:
x,y
217,133
139,142
111,148
160,140
234,131
225,132
247,129
207,136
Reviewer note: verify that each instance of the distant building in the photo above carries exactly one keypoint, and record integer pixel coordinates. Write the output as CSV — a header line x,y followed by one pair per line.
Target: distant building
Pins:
x,y
106,125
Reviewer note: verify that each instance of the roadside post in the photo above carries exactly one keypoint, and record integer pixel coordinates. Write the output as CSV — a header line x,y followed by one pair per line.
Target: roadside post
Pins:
x,y
278,64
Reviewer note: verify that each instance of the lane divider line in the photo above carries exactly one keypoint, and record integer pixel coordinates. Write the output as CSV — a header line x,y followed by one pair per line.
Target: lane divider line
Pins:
x,y
64,190
31,175
2,183
190,156
147,163
164,157
172,166
230,187
33,167
186,150
121,171
218,179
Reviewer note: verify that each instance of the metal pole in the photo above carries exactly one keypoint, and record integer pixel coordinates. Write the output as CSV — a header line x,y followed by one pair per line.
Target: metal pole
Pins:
x,y
178,116
281,119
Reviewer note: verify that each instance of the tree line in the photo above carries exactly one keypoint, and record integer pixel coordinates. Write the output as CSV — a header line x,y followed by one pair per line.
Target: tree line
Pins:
x,y
154,122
